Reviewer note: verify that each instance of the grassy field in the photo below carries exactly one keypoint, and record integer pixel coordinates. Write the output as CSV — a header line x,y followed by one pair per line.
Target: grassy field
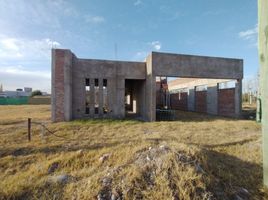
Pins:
x,y
196,157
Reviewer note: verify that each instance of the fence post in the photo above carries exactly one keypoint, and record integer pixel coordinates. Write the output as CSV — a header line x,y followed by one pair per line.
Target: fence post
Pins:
x,y
29,129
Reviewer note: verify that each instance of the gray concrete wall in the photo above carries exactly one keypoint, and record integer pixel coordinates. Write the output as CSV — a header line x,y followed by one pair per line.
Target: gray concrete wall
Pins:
x,y
69,74
238,98
191,99
53,83
212,99
61,85
139,97
68,86
150,91
128,70
115,72
176,65
119,105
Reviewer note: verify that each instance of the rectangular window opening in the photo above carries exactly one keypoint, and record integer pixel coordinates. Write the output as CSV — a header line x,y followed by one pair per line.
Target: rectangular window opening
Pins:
x,y
96,110
105,97
87,82
87,88
96,82
96,91
87,110
104,82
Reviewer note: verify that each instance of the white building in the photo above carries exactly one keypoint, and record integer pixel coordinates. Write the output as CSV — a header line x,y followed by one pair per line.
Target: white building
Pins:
x,y
18,93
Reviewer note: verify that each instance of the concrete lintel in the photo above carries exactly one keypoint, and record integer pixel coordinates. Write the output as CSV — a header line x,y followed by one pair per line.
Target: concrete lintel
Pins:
x,y
178,65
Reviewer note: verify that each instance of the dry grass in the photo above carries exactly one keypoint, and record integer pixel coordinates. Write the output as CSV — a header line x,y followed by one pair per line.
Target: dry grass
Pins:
x,y
198,157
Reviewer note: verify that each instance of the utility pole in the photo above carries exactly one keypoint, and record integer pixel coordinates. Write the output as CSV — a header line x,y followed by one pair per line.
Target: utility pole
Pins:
x,y
263,57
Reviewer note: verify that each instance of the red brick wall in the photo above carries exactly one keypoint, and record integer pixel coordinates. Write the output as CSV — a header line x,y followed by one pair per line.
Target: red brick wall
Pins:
x,y
201,101
59,85
178,101
226,102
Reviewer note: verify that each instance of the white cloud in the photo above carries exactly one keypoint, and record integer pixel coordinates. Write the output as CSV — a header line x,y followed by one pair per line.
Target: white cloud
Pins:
x,y
250,34
137,2
15,53
21,71
156,45
21,48
94,19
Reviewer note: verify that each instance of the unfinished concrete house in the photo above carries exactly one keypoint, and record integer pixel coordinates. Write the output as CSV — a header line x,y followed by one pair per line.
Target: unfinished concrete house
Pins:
x,y
89,88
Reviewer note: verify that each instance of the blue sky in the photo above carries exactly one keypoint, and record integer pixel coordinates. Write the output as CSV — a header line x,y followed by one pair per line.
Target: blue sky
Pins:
x,y
92,29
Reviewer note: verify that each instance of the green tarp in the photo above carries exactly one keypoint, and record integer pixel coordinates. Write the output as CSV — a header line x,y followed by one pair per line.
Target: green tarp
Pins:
x,y
14,101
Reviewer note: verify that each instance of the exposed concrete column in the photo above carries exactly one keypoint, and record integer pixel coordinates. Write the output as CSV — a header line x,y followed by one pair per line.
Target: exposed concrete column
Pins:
x,y
150,91
191,99
68,86
238,97
150,98
61,87
142,99
111,93
212,99
53,83
120,97
135,102
92,97
100,97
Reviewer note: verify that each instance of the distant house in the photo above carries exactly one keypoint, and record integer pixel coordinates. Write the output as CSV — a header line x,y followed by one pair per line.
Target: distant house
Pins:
x,y
16,94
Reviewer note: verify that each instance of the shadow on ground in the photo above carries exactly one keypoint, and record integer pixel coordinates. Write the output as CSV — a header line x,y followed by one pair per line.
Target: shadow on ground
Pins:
x,y
24,151
229,176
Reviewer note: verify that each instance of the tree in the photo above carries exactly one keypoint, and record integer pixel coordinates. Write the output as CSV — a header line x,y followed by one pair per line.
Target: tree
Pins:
x,y
36,93
263,57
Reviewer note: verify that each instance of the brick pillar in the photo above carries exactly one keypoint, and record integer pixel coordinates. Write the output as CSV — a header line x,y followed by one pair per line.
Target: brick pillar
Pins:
x,y
61,85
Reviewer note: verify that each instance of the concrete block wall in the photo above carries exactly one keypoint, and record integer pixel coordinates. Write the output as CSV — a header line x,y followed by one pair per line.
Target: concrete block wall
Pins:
x,y
179,101
226,100
115,72
201,101
61,90
69,74
212,99
191,99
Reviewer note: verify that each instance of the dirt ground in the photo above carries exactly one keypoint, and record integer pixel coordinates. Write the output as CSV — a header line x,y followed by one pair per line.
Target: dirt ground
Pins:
x,y
194,157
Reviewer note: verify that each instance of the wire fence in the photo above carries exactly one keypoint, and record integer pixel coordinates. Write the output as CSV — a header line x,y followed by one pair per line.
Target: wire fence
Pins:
x,y
44,130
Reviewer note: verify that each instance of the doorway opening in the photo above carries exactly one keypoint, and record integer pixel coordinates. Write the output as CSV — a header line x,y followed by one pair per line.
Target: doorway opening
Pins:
x,y
134,98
